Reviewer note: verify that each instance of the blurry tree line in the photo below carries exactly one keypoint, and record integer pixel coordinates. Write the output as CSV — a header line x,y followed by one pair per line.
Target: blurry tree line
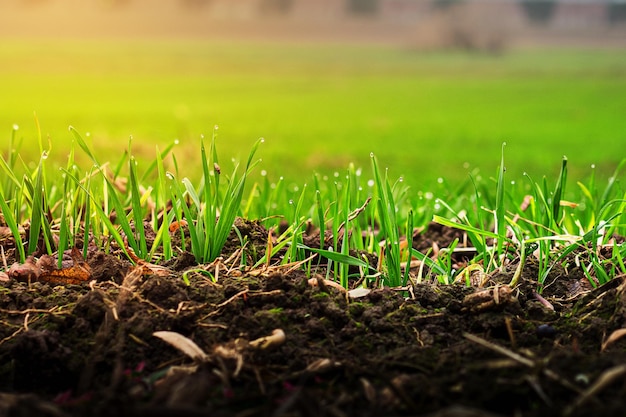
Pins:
x,y
536,11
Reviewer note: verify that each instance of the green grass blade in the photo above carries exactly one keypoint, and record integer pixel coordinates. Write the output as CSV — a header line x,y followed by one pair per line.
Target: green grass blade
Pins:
x,y
337,257
137,211
13,226
37,212
500,210
558,194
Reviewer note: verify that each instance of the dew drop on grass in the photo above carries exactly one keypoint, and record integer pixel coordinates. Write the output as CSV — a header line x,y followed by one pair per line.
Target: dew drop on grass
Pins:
x,y
593,166
16,127
88,134
401,179
440,180
291,202
216,127
44,155
358,172
371,154
513,182
263,173
176,141
370,183
336,174
325,177
262,140
169,175
360,188
428,195
466,165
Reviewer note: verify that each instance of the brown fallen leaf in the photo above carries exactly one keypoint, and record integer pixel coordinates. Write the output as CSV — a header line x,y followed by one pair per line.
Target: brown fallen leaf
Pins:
x,y
29,271
45,270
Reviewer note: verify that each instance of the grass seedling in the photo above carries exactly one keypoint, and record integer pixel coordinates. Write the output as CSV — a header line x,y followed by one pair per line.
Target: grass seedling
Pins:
x,y
386,215
209,217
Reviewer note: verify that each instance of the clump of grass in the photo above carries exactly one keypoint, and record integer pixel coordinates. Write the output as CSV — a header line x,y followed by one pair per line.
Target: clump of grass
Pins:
x,y
504,222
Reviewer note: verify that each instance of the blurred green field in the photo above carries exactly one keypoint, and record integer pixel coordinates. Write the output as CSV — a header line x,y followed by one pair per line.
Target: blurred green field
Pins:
x,y
319,107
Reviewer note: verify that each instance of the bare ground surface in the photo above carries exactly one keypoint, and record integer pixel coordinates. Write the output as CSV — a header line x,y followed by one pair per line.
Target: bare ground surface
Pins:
x,y
90,349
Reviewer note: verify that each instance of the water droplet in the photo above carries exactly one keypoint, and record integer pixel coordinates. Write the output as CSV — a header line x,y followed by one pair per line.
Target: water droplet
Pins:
x,y
466,165
440,180
16,127
401,179
336,174
169,175
176,141
44,155
281,178
296,189
370,183
371,154
593,166
358,172
291,202
263,173
325,177
429,195
262,140
130,138
513,182
360,188
216,127
88,134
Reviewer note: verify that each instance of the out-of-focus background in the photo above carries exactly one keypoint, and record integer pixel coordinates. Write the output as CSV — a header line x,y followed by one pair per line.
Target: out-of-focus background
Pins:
x,y
433,87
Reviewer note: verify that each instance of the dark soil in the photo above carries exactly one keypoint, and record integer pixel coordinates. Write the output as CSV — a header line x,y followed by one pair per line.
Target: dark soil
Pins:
x,y
89,349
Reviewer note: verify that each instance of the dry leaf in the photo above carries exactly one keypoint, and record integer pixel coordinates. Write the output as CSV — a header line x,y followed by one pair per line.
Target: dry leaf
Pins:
x,y
45,270
184,344
27,272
